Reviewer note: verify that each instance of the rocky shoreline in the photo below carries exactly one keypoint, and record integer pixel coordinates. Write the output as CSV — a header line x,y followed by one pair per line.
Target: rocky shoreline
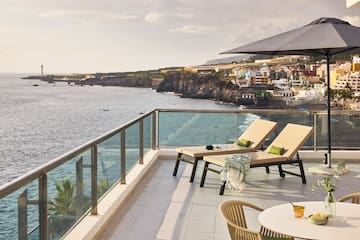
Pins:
x,y
99,79
210,86
184,84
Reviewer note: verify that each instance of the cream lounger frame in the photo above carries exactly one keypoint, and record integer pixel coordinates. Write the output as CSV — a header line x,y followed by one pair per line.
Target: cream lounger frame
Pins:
x,y
256,133
292,137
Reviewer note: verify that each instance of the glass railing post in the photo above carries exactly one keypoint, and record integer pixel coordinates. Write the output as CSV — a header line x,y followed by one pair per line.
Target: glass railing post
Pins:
x,y
43,207
236,127
141,141
315,132
154,141
94,180
22,216
79,199
123,157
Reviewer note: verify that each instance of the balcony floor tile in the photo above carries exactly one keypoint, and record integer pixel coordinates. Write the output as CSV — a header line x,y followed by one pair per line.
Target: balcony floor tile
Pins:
x,y
164,207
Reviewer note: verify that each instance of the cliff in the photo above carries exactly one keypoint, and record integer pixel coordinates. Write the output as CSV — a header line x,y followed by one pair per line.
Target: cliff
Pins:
x,y
210,86
191,85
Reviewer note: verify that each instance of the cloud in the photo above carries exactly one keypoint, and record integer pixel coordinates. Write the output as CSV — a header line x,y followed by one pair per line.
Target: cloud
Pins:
x,y
203,26
184,15
169,18
86,17
122,17
249,31
192,29
153,17
52,14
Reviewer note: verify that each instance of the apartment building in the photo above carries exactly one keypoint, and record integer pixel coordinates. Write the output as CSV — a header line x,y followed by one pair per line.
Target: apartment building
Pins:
x,y
351,80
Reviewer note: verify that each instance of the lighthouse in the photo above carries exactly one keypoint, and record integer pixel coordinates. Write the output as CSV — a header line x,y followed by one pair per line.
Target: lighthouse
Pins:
x,y
42,70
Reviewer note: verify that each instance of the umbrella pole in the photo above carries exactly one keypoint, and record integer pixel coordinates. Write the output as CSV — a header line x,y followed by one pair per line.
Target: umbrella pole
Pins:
x,y
328,109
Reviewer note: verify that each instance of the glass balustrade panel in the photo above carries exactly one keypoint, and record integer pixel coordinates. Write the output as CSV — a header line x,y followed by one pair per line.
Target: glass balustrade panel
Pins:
x,y
185,128
108,157
345,130
19,213
132,146
69,193
147,133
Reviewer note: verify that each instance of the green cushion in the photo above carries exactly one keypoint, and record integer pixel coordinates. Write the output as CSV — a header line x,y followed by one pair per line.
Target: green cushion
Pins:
x,y
277,150
243,142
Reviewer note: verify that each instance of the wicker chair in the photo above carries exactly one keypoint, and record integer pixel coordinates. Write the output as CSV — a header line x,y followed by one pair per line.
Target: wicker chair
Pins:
x,y
234,215
354,197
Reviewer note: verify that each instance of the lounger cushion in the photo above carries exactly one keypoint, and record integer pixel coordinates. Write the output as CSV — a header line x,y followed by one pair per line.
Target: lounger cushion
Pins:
x,y
277,150
243,142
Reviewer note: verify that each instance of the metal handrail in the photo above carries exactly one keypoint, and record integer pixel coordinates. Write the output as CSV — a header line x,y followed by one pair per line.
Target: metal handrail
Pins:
x,y
38,172
255,111
47,167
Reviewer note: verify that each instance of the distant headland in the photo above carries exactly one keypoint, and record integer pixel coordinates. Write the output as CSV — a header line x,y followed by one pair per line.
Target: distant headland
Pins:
x,y
183,83
282,82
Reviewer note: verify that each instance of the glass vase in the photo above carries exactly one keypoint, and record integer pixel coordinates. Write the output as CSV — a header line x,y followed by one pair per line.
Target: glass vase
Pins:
x,y
330,204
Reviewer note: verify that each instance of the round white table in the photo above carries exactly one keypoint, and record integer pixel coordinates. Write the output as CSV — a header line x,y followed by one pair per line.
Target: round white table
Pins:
x,y
346,224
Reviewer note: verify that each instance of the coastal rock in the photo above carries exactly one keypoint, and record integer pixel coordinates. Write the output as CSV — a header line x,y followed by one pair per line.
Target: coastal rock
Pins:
x,y
211,86
192,85
144,82
102,79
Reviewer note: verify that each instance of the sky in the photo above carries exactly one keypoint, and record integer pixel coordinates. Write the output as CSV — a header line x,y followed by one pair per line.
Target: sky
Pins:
x,y
88,36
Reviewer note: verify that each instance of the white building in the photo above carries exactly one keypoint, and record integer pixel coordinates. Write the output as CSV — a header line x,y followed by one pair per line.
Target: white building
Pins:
x,y
262,76
352,79
356,59
298,83
282,83
321,88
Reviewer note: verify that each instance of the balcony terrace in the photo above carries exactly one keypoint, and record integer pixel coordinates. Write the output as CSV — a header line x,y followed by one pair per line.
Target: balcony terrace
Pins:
x,y
124,188
167,207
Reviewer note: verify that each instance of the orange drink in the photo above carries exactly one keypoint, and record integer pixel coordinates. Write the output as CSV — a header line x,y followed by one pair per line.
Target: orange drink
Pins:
x,y
299,211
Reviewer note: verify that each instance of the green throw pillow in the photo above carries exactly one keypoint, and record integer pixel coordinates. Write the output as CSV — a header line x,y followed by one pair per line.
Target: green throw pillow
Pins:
x,y
243,142
277,150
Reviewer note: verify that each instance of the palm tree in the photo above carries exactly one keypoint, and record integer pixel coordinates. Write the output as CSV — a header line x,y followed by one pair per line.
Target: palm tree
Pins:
x,y
64,202
62,208
103,186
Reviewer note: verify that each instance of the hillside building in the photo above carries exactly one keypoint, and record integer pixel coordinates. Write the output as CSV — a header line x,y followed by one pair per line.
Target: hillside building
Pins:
x,y
351,80
356,64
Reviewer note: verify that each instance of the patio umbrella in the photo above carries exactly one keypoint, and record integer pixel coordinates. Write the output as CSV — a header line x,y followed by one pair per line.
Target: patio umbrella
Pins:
x,y
322,37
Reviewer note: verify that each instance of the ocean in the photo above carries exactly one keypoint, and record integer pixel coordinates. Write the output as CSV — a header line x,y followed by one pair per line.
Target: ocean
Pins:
x,y
39,123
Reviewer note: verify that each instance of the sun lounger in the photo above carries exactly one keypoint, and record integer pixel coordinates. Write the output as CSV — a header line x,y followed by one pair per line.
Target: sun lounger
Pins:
x,y
291,138
256,133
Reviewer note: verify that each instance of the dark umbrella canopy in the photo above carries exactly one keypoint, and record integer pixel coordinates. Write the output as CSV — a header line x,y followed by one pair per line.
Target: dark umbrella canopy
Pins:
x,y
322,37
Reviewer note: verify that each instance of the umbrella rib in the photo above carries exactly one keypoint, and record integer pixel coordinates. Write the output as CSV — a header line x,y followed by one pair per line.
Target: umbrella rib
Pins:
x,y
344,50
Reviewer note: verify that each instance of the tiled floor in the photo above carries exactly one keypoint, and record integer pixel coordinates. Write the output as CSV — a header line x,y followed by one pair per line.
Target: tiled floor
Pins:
x,y
167,207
